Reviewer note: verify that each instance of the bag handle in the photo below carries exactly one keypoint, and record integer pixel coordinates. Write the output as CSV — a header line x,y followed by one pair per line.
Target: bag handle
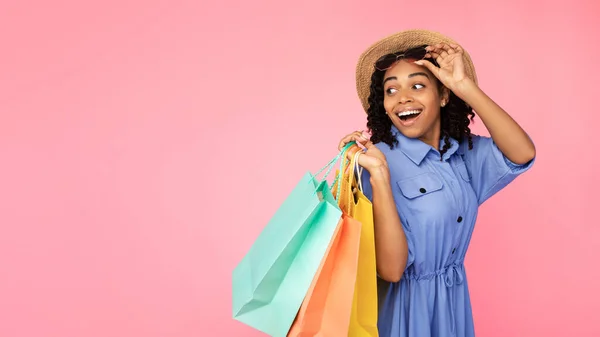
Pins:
x,y
329,166
347,199
358,169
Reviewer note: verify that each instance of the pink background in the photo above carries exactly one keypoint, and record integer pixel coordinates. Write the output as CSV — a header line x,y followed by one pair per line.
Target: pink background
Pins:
x,y
127,198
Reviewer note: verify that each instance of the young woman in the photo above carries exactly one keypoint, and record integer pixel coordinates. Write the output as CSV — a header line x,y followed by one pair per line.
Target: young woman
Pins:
x,y
426,175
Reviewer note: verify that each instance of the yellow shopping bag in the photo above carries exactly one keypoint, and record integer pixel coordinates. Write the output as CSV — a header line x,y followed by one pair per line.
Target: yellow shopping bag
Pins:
x,y
363,319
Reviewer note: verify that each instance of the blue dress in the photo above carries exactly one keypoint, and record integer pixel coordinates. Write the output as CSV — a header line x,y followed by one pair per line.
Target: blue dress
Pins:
x,y
437,202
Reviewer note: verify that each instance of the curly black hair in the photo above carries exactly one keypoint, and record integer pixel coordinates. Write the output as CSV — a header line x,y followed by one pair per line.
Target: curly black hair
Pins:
x,y
456,115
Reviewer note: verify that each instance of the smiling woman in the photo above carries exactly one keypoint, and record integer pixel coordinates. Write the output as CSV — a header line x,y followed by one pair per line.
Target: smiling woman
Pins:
x,y
427,175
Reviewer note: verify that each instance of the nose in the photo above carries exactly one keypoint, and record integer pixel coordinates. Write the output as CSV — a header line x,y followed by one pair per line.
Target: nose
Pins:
x,y
405,97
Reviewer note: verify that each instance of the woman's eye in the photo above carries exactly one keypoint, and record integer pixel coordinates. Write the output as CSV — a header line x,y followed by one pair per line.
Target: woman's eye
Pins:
x,y
418,86
391,91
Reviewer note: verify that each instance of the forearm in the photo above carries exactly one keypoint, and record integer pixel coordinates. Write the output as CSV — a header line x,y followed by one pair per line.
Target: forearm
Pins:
x,y
510,138
391,248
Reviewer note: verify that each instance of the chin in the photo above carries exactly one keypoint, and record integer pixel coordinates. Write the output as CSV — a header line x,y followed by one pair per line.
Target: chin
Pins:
x,y
411,132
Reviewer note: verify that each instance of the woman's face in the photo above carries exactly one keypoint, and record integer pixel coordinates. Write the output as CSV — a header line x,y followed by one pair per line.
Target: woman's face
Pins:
x,y
412,101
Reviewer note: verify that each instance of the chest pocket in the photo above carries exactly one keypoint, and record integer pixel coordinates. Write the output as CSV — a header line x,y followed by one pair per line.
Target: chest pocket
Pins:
x,y
420,185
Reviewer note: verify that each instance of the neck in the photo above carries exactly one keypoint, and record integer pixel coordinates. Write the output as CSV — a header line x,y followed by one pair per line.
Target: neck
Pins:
x,y
432,137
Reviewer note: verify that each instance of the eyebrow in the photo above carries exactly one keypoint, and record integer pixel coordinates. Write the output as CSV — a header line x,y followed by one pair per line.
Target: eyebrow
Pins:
x,y
409,76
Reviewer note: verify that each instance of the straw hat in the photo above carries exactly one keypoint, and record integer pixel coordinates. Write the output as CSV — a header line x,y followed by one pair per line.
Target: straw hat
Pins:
x,y
395,43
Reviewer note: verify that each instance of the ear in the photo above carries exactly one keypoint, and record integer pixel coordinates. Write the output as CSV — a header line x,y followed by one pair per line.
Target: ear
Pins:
x,y
444,96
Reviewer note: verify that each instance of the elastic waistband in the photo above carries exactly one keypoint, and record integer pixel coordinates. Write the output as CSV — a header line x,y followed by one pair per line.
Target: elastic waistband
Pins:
x,y
453,274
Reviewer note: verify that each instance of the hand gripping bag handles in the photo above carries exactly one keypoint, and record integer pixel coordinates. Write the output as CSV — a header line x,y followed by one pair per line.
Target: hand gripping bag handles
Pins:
x,y
271,281
327,308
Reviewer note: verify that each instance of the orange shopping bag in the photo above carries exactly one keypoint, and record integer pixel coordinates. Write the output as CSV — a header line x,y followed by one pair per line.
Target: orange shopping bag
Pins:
x,y
328,304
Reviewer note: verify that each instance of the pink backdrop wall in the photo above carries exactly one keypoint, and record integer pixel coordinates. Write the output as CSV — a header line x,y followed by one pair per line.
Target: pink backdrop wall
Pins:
x,y
126,198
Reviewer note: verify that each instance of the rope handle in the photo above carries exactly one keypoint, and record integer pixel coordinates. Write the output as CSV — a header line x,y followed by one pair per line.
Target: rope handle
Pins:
x,y
358,169
329,166
347,200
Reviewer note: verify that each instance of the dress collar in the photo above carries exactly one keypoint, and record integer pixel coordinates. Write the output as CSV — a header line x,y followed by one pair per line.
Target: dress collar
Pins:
x,y
416,150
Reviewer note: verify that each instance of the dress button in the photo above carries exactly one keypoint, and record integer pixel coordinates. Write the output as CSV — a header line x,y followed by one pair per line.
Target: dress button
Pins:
x,y
459,219
422,190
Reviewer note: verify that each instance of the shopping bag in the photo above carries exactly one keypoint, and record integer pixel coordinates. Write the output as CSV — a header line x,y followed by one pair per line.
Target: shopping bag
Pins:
x,y
327,307
271,281
363,319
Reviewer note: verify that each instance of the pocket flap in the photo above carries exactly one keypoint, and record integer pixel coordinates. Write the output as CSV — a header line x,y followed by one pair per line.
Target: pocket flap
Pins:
x,y
420,185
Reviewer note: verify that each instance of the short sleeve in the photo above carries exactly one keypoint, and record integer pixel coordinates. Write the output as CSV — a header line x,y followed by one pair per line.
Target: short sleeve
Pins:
x,y
489,169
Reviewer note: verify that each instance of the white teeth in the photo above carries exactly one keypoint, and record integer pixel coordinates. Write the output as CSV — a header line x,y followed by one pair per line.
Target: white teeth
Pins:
x,y
409,112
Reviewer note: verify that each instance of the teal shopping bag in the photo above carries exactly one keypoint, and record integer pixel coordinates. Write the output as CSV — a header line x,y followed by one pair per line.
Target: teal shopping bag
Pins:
x,y
272,279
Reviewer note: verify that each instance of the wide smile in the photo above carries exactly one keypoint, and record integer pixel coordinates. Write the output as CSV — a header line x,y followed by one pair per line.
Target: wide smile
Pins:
x,y
409,117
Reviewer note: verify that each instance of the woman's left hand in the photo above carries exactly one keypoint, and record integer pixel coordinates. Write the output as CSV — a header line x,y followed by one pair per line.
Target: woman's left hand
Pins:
x,y
451,71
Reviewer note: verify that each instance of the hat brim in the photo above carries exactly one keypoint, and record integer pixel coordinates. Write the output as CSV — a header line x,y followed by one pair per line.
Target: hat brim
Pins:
x,y
395,43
